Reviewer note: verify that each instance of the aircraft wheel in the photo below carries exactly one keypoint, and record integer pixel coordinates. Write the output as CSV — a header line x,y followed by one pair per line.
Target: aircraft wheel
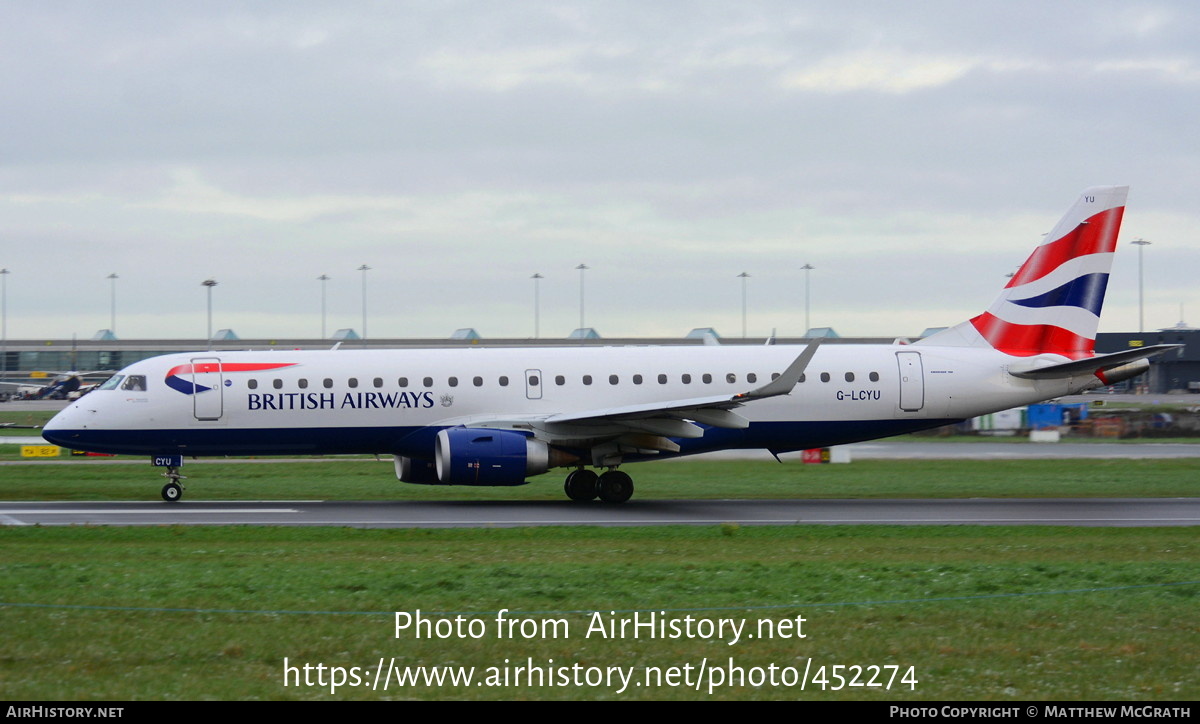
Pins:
x,y
172,492
615,487
580,485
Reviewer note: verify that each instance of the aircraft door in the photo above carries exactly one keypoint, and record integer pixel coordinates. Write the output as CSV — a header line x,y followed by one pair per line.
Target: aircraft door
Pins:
x,y
208,385
533,384
912,381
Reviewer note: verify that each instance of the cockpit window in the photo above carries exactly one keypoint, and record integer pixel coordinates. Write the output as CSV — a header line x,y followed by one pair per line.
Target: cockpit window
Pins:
x,y
136,383
111,383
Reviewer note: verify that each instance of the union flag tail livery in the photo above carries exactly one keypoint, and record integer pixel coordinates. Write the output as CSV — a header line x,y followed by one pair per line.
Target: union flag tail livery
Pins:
x,y
501,415
1052,304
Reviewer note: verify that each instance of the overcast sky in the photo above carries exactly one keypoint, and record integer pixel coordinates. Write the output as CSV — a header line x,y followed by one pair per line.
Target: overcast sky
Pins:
x,y
913,153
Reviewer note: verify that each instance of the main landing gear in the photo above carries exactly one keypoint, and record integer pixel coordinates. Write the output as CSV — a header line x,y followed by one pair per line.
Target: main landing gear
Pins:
x,y
173,491
613,486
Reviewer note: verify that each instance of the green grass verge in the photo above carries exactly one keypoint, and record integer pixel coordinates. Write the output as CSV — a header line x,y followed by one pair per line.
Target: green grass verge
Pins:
x,y
981,613
26,417
367,479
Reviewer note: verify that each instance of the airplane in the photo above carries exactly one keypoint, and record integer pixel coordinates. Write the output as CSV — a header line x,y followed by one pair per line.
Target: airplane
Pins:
x,y
65,386
498,416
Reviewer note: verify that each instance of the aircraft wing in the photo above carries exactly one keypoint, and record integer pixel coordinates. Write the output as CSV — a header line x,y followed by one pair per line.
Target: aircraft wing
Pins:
x,y
674,418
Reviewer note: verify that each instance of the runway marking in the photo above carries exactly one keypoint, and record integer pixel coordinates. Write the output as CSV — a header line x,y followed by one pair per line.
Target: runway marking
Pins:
x,y
157,511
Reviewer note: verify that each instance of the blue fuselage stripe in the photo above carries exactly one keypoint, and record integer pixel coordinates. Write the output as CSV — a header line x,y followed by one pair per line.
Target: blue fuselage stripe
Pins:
x,y
418,442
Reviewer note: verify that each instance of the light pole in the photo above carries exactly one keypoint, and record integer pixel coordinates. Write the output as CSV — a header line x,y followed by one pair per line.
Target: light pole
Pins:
x,y
4,323
112,312
323,278
582,268
364,269
209,284
536,305
743,276
807,286
1141,308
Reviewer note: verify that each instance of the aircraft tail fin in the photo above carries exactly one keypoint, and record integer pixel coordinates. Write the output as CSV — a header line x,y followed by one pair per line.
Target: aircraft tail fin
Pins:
x,y
1052,304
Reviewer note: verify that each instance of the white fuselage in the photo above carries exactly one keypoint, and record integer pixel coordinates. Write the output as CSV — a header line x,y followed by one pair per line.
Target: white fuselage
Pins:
x,y
395,401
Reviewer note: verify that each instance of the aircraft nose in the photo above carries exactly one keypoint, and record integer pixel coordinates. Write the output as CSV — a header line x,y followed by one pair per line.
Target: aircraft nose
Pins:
x,y
59,430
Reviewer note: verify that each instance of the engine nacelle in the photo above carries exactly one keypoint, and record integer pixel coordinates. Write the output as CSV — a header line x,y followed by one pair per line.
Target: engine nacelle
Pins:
x,y
416,470
1120,373
478,456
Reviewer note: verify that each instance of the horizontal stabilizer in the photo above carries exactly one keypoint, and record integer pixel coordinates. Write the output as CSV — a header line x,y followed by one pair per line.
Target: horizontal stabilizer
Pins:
x,y
1090,365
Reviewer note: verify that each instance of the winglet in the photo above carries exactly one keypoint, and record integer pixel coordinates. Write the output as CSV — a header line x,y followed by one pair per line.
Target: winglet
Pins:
x,y
784,383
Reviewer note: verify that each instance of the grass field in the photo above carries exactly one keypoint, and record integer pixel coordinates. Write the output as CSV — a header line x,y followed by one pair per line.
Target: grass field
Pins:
x,y
979,613
995,613
368,479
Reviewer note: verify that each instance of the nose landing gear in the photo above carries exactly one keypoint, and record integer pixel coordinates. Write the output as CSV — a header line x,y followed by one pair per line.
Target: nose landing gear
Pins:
x,y
173,491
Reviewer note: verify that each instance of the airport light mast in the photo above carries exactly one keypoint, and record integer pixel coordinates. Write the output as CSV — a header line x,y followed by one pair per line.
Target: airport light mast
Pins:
x,y
364,269
1140,242
582,268
807,268
323,278
209,284
4,323
112,311
536,305
743,276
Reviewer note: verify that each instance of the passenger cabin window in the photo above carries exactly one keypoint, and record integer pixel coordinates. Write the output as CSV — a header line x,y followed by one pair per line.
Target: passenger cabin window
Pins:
x,y
250,384
587,379
560,380
534,381
874,376
477,381
327,382
707,378
302,383
428,382
378,382
403,382
662,379
453,381
731,378
277,384
824,376
687,379
751,377
612,379
503,381
637,379
352,382
849,376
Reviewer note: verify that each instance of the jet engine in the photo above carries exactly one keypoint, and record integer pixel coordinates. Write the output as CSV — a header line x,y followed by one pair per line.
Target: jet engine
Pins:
x,y
1120,373
415,470
479,456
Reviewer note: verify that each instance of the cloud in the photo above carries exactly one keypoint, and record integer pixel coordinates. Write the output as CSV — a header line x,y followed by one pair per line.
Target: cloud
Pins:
x,y
887,72
459,147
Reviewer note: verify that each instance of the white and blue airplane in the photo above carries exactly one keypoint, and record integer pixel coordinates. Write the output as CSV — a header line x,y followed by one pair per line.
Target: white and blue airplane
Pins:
x,y
499,416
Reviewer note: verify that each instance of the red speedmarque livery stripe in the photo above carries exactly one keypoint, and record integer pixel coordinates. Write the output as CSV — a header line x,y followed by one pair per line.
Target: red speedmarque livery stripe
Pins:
x,y
1094,236
1025,340
227,367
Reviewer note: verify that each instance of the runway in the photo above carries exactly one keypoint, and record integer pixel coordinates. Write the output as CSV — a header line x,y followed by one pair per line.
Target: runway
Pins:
x,y
1095,512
